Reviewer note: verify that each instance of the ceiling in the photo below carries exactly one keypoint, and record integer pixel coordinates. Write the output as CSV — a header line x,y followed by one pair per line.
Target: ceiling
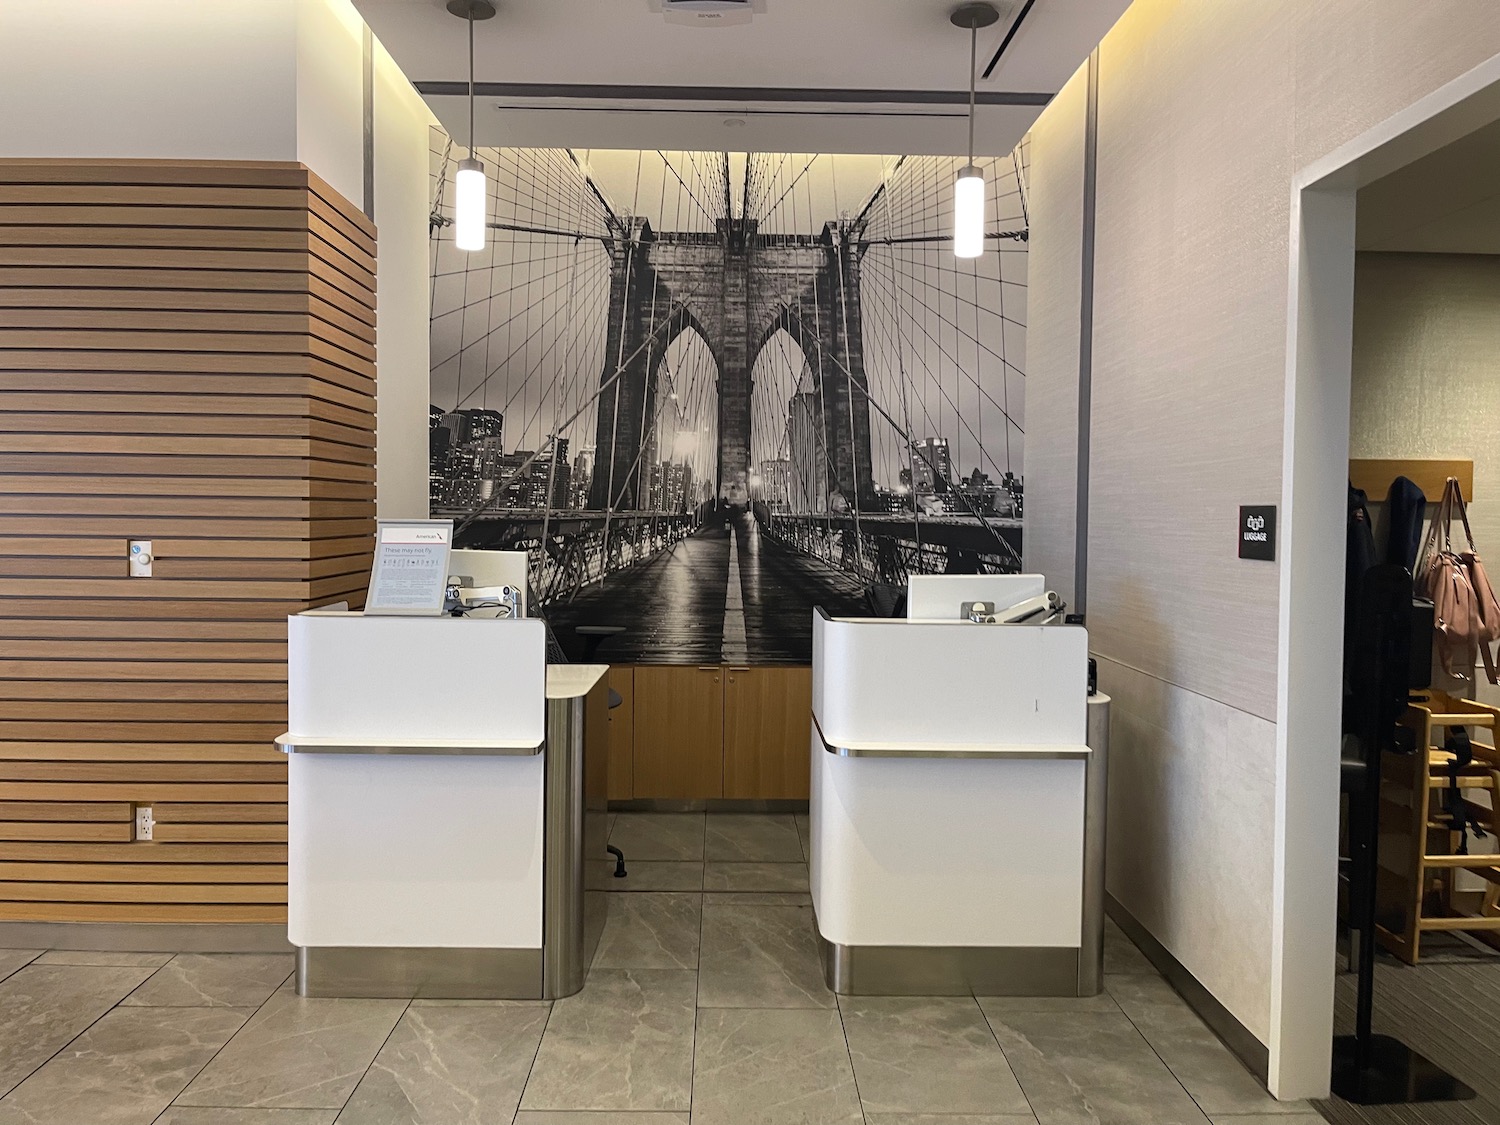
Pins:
x,y
885,76
1446,203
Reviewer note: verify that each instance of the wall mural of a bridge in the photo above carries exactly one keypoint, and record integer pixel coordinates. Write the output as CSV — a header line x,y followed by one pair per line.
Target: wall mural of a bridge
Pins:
x,y
708,391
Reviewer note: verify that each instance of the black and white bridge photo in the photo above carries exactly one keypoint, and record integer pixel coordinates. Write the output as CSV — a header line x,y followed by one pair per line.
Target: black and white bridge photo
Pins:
x,y
708,391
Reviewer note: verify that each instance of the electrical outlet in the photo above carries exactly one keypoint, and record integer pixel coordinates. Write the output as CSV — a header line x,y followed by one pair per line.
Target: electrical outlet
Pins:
x,y
140,557
145,823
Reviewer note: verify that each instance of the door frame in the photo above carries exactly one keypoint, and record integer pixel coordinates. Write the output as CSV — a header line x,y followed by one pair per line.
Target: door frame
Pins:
x,y
1315,456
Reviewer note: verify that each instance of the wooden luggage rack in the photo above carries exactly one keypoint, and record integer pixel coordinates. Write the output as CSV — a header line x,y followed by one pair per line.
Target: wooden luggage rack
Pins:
x,y
1417,890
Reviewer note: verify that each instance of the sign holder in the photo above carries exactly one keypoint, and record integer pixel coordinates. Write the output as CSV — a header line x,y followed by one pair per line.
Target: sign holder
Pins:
x,y
409,577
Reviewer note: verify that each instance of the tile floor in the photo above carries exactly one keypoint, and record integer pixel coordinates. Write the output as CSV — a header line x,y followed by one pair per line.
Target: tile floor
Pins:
x,y
705,1004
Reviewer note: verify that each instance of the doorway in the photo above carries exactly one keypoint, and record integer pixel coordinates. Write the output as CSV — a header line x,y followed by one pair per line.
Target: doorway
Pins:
x,y
1335,202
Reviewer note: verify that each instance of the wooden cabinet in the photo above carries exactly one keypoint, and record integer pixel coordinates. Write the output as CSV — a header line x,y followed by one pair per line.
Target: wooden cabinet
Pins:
x,y
766,728
622,734
700,732
679,732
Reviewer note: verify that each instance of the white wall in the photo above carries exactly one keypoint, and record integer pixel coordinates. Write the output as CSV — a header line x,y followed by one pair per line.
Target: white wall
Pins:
x,y
330,94
402,205
245,80
160,79
1206,113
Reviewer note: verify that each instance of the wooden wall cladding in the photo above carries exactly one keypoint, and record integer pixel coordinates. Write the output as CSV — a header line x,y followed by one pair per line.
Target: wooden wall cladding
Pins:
x,y
187,355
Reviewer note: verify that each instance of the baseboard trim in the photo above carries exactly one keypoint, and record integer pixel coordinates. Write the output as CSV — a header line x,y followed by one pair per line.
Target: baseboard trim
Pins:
x,y
710,804
1236,1036
402,973
147,937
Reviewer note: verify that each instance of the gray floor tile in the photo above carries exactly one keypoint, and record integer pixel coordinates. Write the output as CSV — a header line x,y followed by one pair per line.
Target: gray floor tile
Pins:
x,y
624,1042
758,1067
1000,1005
1218,1081
1121,954
43,1007
753,838
650,931
449,1066
482,1004
804,834
927,1055
723,876
297,1053
658,836
194,1115
760,957
123,1070
13,959
648,875
214,980
756,898
105,957
949,1119
598,1117
1088,1068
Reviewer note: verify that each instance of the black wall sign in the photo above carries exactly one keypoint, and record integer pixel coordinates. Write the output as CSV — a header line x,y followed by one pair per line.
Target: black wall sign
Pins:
x,y
1258,532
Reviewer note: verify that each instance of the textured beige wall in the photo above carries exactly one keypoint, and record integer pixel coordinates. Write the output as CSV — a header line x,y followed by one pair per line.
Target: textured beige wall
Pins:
x,y
1425,378
1207,109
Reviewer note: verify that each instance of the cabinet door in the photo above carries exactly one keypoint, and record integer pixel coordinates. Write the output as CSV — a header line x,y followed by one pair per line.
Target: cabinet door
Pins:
x,y
622,733
767,720
679,732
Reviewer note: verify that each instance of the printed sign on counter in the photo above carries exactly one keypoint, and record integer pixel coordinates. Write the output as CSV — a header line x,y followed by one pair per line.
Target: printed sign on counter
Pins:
x,y
410,573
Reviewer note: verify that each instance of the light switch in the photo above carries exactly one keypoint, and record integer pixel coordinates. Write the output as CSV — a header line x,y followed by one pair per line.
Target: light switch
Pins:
x,y
140,558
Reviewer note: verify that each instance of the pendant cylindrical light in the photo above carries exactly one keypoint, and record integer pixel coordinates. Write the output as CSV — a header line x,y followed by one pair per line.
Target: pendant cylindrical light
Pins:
x,y
470,190
968,186
968,213
469,198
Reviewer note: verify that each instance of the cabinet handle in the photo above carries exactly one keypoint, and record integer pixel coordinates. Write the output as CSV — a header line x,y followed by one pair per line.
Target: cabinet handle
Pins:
x,y
708,667
737,668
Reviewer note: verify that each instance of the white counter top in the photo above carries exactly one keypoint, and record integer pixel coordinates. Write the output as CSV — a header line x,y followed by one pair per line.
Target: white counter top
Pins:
x,y
568,681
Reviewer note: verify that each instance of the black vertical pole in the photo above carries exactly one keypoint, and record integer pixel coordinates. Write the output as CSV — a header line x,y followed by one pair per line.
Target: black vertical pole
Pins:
x,y
1370,1069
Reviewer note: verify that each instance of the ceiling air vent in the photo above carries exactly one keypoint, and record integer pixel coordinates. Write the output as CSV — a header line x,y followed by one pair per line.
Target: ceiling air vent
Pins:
x,y
707,13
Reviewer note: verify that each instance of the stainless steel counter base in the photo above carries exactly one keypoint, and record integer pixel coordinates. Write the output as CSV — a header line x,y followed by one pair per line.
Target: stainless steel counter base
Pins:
x,y
573,826
385,973
913,970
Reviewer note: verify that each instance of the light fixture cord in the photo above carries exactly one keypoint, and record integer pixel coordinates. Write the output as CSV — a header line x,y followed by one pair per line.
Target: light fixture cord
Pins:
x,y
973,65
472,156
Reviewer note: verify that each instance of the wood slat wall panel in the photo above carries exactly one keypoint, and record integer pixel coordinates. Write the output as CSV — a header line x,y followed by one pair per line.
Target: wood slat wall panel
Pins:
x,y
186,356
147,752
154,912
63,830
225,568
166,689
236,549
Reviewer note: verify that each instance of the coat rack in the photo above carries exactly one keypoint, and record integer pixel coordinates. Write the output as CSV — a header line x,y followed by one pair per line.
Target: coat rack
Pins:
x,y
1373,476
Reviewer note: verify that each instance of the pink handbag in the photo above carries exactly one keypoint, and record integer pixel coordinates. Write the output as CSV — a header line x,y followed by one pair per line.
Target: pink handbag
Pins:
x,y
1465,609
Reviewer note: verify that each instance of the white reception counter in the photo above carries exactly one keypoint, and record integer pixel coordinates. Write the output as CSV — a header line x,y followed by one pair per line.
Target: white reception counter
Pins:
x,y
957,808
445,787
